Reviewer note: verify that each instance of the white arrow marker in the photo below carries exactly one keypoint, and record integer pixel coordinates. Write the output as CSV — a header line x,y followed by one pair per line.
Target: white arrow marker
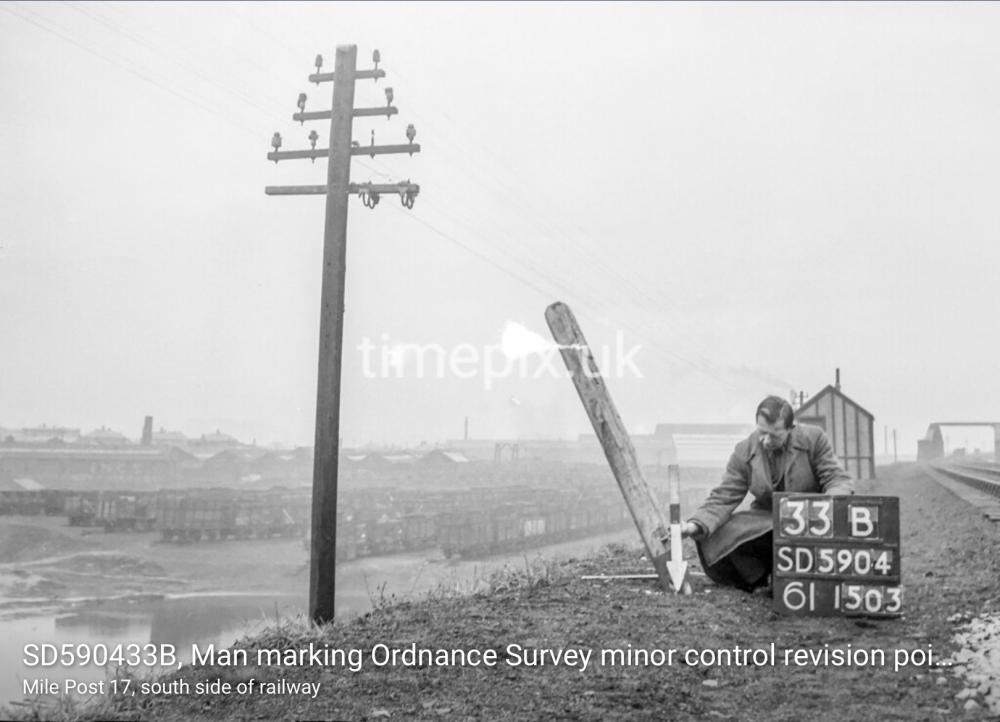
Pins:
x,y
676,567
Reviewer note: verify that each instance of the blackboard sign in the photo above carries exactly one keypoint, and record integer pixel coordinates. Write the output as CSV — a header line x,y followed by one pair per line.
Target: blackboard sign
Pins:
x,y
837,555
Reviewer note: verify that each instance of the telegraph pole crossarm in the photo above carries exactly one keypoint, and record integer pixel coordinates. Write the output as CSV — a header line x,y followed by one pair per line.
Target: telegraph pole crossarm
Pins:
x,y
371,150
352,188
337,190
358,75
357,113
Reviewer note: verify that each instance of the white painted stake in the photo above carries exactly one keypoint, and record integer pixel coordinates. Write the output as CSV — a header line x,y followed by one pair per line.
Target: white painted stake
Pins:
x,y
676,567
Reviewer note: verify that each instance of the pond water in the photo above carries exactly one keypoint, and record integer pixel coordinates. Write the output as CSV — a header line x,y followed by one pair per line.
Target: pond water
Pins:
x,y
180,621
222,619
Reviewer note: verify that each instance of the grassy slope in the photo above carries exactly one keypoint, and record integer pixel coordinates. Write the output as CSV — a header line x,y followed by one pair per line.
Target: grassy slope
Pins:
x,y
949,565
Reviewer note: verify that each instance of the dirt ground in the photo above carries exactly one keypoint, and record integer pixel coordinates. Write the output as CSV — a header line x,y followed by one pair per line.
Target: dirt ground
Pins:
x,y
950,572
49,567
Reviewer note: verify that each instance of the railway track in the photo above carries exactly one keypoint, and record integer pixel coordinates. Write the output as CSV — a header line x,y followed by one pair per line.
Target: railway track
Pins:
x,y
978,483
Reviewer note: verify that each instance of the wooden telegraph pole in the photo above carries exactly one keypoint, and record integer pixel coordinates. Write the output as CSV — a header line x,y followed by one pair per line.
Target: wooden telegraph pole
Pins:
x,y
331,325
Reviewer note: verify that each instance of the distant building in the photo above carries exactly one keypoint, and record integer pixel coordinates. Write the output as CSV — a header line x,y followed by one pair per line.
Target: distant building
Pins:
x,y
283,467
691,445
698,445
230,466
105,437
367,461
208,445
93,466
439,456
582,450
170,438
850,427
40,435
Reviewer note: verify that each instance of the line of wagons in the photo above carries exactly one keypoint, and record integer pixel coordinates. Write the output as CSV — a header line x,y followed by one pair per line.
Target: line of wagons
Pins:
x,y
463,524
195,515
189,515
479,532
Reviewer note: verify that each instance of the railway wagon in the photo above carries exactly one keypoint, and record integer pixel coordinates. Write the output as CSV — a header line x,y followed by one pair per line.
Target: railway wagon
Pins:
x,y
463,532
409,532
298,507
81,509
214,516
506,529
480,533
533,524
419,531
349,538
32,502
27,503
579,516
192,517
126,512
509,527
384,536
348,545
558,525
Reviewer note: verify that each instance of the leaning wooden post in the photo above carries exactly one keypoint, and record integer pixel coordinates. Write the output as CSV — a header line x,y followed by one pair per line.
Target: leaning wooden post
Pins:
x,y
614,438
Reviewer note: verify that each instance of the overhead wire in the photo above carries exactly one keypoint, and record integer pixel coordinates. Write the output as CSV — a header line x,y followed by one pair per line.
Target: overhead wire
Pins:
x,y
195,71
270,111
579,245
601,271
48,26
593,264
372,167
525,202
582,237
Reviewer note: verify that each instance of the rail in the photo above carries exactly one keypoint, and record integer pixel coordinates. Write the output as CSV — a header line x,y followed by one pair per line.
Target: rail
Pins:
x,y
983,475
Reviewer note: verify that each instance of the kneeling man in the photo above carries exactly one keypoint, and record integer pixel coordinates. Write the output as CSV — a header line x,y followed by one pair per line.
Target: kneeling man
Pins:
x,y
780,455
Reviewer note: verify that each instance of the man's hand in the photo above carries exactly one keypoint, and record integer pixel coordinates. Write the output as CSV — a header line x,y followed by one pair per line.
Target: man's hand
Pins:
x,y
690,529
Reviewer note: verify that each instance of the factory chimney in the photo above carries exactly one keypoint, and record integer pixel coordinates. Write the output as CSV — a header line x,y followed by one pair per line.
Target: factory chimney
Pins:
x,y
838,380
147,432
466,428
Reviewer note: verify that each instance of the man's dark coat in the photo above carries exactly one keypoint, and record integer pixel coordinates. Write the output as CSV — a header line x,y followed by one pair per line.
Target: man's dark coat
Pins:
x,y
809,466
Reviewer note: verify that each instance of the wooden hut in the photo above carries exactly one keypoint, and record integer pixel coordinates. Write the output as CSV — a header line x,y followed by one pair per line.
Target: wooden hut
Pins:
x,y
850,427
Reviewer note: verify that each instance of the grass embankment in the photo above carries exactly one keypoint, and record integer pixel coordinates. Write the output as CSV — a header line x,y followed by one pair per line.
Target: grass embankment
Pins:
x,y
949,566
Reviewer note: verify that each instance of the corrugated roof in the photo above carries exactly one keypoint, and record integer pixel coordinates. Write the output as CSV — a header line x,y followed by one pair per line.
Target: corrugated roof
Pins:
x,y
714,449
399,458
239,453
85,452
28,484
720,429
836,392
105,434
41,434
452,456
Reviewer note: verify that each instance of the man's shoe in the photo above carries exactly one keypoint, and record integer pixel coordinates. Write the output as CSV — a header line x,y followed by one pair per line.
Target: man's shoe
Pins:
x,y
764,589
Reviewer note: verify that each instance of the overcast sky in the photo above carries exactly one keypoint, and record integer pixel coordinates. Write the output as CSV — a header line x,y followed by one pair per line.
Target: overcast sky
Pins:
x,y
755,194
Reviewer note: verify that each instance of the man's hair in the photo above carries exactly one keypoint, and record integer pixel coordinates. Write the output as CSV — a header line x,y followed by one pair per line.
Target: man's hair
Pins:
x,y
773,408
